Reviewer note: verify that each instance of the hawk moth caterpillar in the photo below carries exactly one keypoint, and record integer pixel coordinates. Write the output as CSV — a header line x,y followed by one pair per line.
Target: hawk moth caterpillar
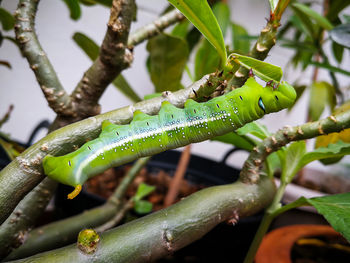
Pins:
x,y
172,128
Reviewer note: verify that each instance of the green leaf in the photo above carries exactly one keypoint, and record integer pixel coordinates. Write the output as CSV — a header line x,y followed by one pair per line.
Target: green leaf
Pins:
x,y
273,5
151,96
336,209
236,140
265,71
341,35
338,51
330,68
122,85
106,3
167,61
206,60
305,23
202,17
254,128
222,14
335,7
333,150
322,93
273,163
74,8
9,148
87,45
308,12
291,160
7,20
92,50
143,190
181,29
240,40
143,207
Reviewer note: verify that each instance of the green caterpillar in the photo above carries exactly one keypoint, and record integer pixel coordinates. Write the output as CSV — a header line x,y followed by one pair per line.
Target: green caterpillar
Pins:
x,y
172,128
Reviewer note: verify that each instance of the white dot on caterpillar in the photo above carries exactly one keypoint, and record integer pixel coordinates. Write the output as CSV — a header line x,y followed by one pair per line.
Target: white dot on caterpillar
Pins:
x,y
208,133
132,150
161,145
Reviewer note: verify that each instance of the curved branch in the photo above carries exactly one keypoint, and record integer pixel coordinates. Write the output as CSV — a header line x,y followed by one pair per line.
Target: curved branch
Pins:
x,y
55,94
113,58
14,230
64,232
163,232
251,169
25,172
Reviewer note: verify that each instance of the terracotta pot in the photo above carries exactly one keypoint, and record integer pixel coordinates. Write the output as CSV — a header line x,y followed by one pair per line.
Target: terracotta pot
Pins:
x,y
277,245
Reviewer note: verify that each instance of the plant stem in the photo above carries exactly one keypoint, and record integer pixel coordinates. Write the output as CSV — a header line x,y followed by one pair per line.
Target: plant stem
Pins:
x,y
155,27
178,176
265,223
25,172
64,232
163,232
251,169
26,37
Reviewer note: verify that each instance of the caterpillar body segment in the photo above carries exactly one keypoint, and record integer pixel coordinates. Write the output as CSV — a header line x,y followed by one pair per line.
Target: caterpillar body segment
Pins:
x,y
172,128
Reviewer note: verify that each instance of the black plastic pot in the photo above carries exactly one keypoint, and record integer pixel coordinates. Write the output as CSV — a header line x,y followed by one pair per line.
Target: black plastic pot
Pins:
x,y
225,243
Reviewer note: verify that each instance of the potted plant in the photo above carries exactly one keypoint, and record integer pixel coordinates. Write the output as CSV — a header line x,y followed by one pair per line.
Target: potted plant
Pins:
x,y
27,191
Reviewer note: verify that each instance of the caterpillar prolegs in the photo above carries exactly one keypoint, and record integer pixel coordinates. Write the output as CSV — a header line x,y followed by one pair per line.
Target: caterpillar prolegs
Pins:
x,y
172,128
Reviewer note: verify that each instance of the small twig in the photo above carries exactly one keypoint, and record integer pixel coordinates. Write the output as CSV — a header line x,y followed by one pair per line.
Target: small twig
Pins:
x,y
6,116
266,40
251,169
178,177
26,37
155,27
125,207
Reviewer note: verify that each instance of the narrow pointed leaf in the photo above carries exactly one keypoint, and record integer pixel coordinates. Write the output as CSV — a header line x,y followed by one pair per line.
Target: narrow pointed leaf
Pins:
x,y
202,17
240,40
7,20
92,50
74,8
265,71
319,19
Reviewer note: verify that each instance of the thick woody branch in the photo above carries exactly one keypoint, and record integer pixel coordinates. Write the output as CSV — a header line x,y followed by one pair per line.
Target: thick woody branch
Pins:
x,y
64,232
251,168
163,232
25,172
15,229
113,58
55,94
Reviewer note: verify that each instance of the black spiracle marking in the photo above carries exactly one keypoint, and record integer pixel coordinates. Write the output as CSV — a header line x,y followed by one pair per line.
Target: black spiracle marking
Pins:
x,y
241,97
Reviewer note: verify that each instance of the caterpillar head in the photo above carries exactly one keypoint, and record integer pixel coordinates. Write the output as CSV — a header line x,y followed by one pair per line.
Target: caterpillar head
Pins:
x,y
60,168
275,99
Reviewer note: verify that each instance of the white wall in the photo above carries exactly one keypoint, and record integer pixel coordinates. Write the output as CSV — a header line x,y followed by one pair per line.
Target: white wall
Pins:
x,y
55,29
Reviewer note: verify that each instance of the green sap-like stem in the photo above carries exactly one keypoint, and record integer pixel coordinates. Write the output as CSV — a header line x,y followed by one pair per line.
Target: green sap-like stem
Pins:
x,y
265,223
